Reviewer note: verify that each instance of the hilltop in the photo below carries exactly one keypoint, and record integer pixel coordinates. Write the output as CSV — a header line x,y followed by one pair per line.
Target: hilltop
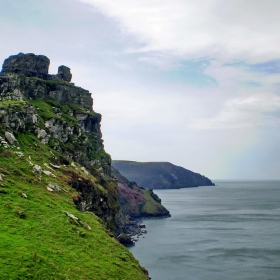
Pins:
x,y
160,175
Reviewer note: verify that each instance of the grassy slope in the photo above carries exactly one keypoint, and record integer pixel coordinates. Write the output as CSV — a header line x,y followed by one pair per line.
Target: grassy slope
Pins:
x,y
47,244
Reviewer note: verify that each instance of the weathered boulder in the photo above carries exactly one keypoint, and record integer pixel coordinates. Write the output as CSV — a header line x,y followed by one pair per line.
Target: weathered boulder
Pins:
x,y
64,73
54,187
20,154
28,64
37,168
11,138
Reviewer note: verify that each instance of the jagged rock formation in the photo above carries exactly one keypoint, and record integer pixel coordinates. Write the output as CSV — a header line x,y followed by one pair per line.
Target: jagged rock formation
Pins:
x,y
29,65
58,201
64,73
75,122
160,175
61,116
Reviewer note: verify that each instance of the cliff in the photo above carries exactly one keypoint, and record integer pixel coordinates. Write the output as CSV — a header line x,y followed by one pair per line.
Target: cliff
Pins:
x,y
59,205
136,204
160,175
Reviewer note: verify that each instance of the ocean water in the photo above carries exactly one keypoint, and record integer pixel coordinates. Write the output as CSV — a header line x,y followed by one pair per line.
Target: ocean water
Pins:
x,y
229,231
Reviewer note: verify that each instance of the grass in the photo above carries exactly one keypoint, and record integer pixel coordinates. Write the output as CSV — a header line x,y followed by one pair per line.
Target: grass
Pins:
x,y
51,82
37,239
7,103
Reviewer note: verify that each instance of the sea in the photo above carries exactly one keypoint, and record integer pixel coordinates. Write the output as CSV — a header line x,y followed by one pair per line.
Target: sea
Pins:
x,y
225,232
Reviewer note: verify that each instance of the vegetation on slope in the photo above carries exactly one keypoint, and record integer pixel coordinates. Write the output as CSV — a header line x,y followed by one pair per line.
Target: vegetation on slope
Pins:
x,y
137,202
58,202
38,240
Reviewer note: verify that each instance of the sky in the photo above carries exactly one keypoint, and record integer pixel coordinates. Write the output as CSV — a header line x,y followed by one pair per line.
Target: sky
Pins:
x,y
192,82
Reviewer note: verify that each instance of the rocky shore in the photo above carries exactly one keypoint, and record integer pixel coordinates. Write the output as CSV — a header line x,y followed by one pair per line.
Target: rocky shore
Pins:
x,y
134,229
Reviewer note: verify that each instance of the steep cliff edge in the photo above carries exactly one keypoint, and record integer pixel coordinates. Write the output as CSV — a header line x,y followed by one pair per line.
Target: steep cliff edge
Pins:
x,y
160,175
136,204
58,201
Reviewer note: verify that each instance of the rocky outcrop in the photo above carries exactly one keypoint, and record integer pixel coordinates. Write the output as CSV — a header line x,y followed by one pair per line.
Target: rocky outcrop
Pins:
x,y
103,203
136,204
17,87
29,65
61,116
160,175
67,122
51,148
11,138
18,118
64,73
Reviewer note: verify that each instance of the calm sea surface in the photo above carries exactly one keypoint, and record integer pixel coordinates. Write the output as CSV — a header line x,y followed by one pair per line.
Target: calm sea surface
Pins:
x,y
230,231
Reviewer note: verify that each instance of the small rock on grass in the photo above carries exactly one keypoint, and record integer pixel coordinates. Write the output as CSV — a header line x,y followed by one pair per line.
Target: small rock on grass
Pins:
x,y
54,187
20,154
49,189
37,168
21,214
54,166
23,195
85,171
48,173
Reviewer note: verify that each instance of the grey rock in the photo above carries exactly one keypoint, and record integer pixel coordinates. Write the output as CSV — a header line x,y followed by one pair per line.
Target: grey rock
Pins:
x,y
3,143
20,154
11,138
64,73
54,187
37,168
54,166
85,171
48,173
29,64
23,195
49,189
71,215
41,133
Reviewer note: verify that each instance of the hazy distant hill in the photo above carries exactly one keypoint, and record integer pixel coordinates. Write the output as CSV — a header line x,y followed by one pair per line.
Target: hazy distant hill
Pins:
x,y
160,175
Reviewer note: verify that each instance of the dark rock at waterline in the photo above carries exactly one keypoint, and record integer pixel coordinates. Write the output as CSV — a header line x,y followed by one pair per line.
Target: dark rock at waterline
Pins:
x,y
125,239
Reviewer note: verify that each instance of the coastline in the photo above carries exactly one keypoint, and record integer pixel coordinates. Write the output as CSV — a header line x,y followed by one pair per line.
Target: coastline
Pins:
x,y
135,228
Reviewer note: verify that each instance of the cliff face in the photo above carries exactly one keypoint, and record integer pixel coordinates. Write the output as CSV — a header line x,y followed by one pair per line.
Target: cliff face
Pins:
x,y
160,175
58,201
60,115
138,202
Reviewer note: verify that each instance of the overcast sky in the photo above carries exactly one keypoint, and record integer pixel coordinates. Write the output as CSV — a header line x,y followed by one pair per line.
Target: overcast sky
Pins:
x,y
192,82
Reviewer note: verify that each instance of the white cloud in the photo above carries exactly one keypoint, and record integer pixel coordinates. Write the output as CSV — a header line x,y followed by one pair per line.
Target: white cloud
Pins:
x,y
243,112
223,29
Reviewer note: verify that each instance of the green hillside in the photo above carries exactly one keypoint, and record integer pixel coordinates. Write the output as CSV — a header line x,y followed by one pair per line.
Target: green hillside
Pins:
x,y
37,239
59,205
